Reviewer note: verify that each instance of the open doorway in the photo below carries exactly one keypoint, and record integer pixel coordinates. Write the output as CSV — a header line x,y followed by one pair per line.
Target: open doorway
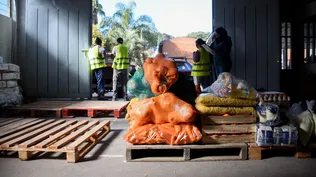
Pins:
x,y
144,25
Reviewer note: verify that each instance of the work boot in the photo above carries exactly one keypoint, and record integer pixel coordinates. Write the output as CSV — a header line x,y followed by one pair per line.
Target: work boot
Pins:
x,y
198,89
101,96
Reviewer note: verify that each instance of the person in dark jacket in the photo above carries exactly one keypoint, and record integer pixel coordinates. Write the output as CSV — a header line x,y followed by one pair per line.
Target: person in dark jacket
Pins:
x,y
220,49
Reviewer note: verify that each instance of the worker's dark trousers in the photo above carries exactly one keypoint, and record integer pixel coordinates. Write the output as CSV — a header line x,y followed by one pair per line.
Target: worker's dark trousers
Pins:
x,y
120,77
100,81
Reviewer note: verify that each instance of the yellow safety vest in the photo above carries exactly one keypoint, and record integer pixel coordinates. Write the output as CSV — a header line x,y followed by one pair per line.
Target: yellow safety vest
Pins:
x,y
96,61
121,61
202,68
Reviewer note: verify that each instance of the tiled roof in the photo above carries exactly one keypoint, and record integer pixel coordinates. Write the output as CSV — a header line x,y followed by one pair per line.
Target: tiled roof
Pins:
x,y
180,47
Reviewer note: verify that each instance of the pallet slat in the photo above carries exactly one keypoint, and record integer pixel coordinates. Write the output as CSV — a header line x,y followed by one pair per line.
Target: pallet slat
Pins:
x,y
215,129
16,125
235,119
18,128
60,134
87,135
209,139
41,137
9,121
22,132
72,136
31,134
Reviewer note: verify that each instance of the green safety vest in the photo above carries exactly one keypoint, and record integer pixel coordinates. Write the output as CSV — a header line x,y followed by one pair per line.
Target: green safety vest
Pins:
x,y
96,61
202,68
121,61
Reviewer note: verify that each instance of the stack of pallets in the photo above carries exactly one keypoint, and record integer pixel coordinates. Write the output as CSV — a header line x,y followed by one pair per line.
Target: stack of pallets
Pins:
x,y
228,129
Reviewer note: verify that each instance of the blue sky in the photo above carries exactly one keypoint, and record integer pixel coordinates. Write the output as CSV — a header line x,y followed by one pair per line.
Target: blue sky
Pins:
x,y
175,17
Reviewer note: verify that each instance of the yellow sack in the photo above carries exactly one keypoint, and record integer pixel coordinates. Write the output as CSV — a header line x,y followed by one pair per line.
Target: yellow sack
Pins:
x,y
210,99
224,110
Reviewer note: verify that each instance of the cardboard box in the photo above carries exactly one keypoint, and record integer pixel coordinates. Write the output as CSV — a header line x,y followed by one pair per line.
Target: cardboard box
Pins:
x,y
1,59
9,67
11,76
3,84
12,83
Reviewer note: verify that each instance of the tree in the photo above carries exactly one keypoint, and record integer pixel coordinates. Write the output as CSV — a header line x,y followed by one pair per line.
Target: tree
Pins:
x,y
97,9
139,34
199,34
97,33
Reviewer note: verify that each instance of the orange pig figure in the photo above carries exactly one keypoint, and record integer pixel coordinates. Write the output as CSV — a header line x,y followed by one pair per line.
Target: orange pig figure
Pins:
x,y
165,108
161,73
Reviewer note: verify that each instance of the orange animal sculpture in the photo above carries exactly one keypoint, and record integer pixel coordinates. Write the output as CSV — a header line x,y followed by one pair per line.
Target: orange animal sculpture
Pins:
x,y
165,108
161,72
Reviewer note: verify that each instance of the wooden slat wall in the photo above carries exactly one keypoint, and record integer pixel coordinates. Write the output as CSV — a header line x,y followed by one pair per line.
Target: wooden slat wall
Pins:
x,y
254,26
51,61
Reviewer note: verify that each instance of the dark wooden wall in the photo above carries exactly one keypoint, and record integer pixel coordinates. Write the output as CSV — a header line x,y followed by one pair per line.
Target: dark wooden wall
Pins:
x,y
51,35
254,26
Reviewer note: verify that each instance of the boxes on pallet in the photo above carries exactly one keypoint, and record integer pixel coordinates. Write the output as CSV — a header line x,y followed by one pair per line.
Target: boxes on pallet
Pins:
x,y
9,67
285,135
3,84
1,59
10,76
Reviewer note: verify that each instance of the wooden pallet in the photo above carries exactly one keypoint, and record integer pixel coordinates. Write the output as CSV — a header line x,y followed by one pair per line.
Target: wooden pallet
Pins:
x,y
40,106
167,153
228,129
92,107
73,137
306,152
256,152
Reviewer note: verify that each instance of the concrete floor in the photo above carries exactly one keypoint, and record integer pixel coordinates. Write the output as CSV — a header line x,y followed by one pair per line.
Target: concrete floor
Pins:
x,y
107,160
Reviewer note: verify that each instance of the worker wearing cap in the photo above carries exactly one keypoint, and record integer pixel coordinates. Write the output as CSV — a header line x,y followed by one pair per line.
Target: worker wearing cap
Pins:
x,y
97,64
120,68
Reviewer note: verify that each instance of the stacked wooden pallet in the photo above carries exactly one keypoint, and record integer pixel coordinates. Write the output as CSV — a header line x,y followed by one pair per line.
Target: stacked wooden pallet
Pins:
x,y
228,129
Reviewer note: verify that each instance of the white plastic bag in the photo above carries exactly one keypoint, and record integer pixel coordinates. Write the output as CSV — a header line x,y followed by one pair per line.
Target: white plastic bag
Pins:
x,y
304,120
228,85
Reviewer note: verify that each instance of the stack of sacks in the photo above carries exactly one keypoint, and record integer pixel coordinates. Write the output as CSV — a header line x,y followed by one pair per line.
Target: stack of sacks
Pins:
x,y
227,95
10,94
162,119
286,135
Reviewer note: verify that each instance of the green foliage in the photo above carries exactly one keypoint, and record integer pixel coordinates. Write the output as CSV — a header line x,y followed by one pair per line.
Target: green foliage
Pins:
x,y
97,9
199,34
96,33
139,34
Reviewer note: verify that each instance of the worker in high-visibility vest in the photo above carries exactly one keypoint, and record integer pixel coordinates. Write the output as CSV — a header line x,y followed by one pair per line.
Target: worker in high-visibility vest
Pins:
x,y
97,64
201,65
120,68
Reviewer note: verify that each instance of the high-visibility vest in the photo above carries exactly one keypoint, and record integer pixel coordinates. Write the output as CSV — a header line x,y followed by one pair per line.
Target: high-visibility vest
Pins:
x,y
121,60
202,68
96,61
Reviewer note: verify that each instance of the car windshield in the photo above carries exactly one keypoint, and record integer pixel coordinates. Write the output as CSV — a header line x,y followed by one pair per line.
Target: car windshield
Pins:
x,y
183,66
